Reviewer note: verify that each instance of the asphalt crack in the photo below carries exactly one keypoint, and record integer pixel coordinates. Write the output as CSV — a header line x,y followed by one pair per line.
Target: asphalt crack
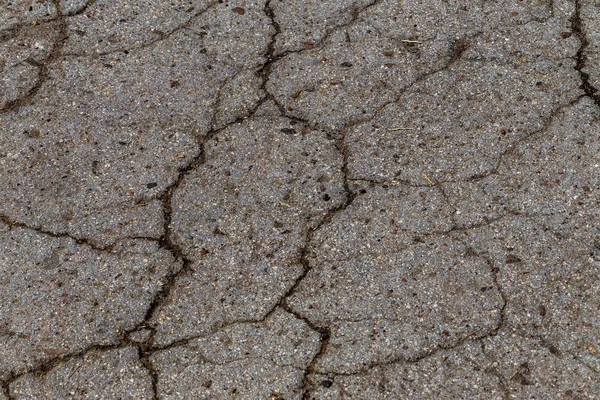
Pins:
x,y
58,235
144,357
6,390
581,58
166,241
161,36
510,150
43,67
45,367
355,14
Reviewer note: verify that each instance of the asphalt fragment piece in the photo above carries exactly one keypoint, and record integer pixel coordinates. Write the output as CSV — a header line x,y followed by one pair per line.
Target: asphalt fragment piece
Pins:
x,y
60,298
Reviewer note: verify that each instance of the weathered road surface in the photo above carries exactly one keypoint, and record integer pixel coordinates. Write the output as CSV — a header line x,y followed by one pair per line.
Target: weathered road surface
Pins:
x,y
286,199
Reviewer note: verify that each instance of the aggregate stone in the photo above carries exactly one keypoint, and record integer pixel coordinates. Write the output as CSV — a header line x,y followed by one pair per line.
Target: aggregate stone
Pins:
x,y
242,218
60,297
263,360
531,368
383,271
112,133
112,374
16,13
459,373
590,19
304,23
550,284
21,55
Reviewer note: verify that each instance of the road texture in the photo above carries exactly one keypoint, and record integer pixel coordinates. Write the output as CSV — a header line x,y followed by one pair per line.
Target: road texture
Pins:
x,y
285,199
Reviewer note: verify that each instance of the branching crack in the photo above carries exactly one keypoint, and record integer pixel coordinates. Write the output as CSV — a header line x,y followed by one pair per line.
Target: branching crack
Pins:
x,y
460,46
166,241
430,353
14,30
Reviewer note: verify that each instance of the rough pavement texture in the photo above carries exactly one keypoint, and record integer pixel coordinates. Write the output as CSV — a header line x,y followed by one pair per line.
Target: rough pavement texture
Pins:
x,y
274,199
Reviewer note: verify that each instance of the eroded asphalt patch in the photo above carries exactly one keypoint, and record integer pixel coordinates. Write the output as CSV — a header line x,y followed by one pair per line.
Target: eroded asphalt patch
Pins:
x,y
273,199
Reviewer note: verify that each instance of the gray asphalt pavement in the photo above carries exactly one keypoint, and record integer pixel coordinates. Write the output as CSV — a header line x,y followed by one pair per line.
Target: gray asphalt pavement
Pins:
x,y
312,200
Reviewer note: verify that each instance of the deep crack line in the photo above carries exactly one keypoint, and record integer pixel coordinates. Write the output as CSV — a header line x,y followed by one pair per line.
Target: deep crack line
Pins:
x,y
324,332
6,390
144,358
146,348
581,58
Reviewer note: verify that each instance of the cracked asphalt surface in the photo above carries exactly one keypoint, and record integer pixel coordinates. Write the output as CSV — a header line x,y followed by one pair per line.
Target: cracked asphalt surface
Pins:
x,y
285,199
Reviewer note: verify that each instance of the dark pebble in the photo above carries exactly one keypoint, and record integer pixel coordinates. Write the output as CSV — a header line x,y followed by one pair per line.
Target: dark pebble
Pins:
x,y
324,334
